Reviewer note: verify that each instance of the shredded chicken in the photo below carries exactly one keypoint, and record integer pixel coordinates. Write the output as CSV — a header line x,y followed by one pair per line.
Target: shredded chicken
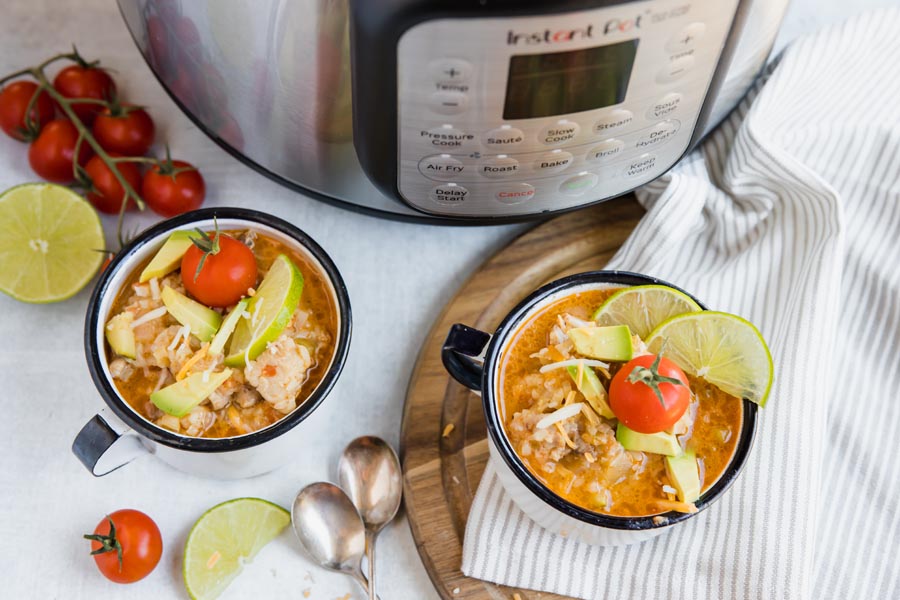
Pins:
x,y
279,372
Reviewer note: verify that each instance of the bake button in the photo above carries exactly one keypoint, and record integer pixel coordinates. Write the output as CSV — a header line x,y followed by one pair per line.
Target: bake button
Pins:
x,y
613,121
504,137
499,167
559,133
606,150
553,161
449,194
675,69
445,137
657,134
665,106
515,193
449,103
578,185
441,166
642,165
450,70
687,38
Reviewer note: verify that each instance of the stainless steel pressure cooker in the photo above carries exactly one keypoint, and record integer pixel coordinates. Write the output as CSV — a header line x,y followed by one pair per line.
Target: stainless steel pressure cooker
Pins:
x,y
461,110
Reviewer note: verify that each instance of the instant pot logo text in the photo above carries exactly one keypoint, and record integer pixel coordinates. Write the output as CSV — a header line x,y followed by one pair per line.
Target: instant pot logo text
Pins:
x,y
549,36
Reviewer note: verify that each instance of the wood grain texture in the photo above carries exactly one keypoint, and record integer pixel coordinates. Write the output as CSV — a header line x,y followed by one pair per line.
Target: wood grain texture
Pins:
x,y
441,472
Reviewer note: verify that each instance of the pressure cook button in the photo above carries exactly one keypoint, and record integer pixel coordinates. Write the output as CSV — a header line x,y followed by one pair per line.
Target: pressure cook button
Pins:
x,y
642,165
665,106
515,193
559,133
450,70
675,69
441,166
449,103
606,150
613,121
578,185
446,137
504,137
553,161
657,134
687,38
449,194
499,167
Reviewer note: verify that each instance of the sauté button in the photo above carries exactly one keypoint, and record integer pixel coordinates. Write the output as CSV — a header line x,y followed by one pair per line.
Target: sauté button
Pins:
x,y
449,194
613,121
449,103
441,166
504,137
606,150
515,193
553,161
559,133
499,167
578,185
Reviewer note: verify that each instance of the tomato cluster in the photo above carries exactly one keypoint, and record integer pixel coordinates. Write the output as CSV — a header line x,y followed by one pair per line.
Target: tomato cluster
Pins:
x,y
83,106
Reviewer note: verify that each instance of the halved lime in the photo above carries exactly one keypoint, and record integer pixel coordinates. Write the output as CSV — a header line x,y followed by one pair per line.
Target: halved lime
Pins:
x,y
268,313
225,537
643,308
724,349
51,242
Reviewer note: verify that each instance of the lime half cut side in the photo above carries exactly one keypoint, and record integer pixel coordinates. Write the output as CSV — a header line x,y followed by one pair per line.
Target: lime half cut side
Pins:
x,y
226,536
725,350
51,242
644,307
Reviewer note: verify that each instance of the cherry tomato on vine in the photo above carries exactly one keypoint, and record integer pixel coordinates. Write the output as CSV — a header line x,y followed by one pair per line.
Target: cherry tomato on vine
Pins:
x,y
228,269
14,99
649,394
50,155
172,189
106,192
126,546
126,130
76,81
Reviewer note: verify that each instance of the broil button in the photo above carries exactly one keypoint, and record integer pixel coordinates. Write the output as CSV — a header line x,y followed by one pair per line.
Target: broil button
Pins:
x,y
606,150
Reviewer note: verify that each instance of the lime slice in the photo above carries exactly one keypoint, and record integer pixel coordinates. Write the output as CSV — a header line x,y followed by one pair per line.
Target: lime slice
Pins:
x,y
225,537
725,350
643,308
51,242
269,310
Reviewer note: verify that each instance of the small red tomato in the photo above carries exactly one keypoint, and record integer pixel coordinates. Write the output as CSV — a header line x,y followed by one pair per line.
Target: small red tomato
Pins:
x,y
126,546
649,394
172,189
76,81
51,154
126,130
228,270
106,192
14,100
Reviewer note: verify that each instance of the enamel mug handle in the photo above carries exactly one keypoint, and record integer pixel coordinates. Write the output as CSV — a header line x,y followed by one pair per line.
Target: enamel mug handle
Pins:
x,y
463,355
105,443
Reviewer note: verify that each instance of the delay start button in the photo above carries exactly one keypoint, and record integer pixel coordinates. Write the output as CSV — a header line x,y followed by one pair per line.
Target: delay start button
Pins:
x,y
559,133
515,193
449,194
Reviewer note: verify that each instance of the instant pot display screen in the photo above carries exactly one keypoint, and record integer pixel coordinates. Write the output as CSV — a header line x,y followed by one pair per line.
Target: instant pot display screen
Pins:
x,y
543,85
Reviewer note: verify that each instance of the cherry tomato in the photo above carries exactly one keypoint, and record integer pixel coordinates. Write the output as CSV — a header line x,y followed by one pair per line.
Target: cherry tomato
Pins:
x,y
226,273
172,192
76,81
160,47
14,100
136,536
126,131
636,404
106,192
50,155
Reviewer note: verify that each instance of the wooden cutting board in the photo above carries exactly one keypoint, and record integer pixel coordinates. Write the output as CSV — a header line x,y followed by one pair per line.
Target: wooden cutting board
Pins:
x,y
443,436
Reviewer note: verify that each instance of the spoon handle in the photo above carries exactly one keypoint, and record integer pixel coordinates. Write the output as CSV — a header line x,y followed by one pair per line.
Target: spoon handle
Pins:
x,y
363,583
370,559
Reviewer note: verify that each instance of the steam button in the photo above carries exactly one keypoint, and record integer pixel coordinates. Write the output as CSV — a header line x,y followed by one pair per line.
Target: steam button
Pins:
x,y
449,194
613,121
559,133
441,167
449,103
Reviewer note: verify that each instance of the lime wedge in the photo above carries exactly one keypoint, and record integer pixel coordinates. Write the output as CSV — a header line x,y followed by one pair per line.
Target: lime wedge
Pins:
x,y
725,350
51,242
225,537
643,308
270,310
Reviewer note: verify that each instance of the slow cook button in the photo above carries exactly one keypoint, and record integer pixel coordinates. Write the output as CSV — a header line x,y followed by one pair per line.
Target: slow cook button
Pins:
x,y
449,103
499,167
515,193
441,166
578,185
446,137
504,137
640,166
675,69
559,133
553,162
450,70
657,134
449,194
613,121
687,38
606,150
665,106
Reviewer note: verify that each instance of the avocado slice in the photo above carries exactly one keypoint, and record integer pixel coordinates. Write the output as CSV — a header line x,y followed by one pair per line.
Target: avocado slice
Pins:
x,y
203,321
228,325
592,390
120,335
168,257
603,343
179,398
684,475
657,443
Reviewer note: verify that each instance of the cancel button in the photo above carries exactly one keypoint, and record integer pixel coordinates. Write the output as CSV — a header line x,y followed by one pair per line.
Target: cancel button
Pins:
x,y
515,193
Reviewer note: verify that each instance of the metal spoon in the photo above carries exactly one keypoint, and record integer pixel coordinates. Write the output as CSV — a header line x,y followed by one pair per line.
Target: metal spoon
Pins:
x,y
369,472
330,529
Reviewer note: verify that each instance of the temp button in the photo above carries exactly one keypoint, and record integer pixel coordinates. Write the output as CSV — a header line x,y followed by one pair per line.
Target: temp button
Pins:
x,y
515,193
559,133
504,137
441,166
449,194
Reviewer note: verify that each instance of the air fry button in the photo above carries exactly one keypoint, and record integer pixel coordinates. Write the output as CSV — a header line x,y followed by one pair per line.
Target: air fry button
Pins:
x,y
441,167
515,193
449,194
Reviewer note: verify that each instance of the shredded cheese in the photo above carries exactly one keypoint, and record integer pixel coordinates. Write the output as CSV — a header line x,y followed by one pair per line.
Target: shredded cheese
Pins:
x,y
154,288
560,414
448,430
590,415
197,357
181,334
574,362
565,435
147,317
580,377
589,457
682,507
570,397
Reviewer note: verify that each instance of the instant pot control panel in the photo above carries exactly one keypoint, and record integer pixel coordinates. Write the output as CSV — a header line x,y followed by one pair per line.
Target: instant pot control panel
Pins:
x,y
498,117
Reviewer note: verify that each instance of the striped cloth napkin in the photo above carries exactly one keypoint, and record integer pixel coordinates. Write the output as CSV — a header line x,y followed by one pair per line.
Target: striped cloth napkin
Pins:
x,y
789,214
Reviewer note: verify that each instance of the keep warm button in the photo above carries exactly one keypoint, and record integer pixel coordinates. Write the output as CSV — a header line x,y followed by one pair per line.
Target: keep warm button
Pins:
x,y
641,165
441,166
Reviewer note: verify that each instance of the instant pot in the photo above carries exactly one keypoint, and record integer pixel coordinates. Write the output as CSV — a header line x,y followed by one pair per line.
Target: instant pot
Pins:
x,y
461,110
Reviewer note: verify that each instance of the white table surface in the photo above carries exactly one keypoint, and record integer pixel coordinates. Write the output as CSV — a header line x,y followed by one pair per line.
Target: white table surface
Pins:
x,y
399,276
